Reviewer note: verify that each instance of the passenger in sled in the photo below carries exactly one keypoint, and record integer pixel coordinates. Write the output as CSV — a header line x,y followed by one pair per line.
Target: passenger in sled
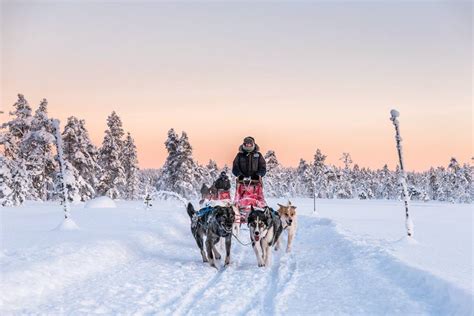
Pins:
x,y
222,187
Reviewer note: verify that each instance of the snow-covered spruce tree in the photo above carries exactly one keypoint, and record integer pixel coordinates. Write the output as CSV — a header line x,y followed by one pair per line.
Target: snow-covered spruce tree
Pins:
x,y
37,148
468,194
169,174
457,183
320,181
304,184
18,183
16,129
387,187
273,178
82,154
75,184
288,185
179,171
112,180
343,187
148,179
212,171
12,134
130,163
365,189
5,181
187,183
332,181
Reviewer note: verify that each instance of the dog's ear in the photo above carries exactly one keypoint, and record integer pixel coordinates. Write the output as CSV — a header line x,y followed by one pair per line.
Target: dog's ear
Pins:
x,y
268,211
251,208
289,203
190,210
280,206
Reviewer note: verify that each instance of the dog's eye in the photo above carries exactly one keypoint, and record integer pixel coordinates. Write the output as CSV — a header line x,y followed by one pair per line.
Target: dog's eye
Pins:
x,y
260,225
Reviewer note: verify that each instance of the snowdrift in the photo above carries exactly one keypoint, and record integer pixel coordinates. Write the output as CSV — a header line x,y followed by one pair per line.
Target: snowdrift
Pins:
x,y
101,202
132,261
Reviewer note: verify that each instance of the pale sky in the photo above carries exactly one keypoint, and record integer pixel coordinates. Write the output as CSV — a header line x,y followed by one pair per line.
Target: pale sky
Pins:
x,y
296,76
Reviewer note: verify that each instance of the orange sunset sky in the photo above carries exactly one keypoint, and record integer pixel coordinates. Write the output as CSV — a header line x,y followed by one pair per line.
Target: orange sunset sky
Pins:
x,y
296,76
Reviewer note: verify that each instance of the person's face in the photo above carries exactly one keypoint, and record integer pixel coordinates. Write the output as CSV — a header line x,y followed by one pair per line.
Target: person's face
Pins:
x,y
248,144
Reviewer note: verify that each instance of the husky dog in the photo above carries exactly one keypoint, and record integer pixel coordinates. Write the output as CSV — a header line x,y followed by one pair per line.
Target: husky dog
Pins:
x,y
215,223
288,219
207,193
265,229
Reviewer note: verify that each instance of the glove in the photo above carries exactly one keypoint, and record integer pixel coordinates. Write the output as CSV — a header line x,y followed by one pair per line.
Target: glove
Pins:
x,y
256,177
240,178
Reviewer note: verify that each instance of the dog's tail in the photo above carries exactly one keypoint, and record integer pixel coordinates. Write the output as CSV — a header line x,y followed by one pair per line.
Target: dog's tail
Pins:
x,y
190,210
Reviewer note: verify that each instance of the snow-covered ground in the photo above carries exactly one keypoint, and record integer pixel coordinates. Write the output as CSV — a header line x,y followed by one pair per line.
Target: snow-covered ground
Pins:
x,y
350,258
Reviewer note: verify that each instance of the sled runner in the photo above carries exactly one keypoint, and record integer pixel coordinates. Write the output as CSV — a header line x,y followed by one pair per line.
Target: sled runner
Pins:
x,y
248,193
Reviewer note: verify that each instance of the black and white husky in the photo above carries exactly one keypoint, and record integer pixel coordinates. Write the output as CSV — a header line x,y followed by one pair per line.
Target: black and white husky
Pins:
x,y
215,223
265,228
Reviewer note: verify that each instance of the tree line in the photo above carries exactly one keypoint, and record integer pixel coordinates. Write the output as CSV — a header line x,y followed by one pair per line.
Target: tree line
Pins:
x,y
29,168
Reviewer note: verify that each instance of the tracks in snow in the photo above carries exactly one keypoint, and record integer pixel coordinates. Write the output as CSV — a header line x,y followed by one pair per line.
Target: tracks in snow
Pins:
x,y
326,274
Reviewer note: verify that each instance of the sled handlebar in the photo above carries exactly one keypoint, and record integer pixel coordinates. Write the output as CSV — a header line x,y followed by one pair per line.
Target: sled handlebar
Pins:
x,y
248,181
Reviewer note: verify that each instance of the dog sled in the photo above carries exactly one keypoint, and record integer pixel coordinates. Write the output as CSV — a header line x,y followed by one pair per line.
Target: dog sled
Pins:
x,y
248,194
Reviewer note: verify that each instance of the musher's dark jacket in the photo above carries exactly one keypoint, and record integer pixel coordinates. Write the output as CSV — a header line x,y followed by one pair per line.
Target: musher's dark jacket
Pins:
x,y
249,164
222,183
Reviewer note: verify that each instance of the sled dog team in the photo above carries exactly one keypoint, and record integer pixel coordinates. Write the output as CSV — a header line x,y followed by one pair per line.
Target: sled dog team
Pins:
x,y
223,221
265,227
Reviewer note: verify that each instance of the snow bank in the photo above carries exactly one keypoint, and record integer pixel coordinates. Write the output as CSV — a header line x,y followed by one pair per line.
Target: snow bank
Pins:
x,y
101,202
67,224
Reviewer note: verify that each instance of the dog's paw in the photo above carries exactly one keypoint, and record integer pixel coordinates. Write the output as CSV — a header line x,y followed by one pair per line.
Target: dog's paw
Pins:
x,y
288,250
260,265
217,256
227,262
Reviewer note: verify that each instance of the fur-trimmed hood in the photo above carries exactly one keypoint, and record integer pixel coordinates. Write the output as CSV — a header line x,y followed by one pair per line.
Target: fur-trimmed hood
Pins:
x,y
241,149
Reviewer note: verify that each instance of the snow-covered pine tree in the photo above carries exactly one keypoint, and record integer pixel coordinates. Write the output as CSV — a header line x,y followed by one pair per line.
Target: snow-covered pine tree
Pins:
x,y
387,184
5,181
288,182
365,188
212,171
304,184
458,181
468,171
343,188
149,179
187,184
112,180
37,148
16,129
273,178
18,185
130,163
12,134
82,154
169,172
320,181
179,171
75,184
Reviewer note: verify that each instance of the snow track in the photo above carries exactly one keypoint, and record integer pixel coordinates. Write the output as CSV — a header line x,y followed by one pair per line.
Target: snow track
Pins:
x,y
156,269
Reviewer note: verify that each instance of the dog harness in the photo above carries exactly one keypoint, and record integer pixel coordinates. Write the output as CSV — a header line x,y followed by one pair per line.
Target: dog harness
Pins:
x,y
203,211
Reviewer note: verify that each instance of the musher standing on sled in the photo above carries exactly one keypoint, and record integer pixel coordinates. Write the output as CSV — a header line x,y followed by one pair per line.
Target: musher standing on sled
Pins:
x,y
249,162
249,167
